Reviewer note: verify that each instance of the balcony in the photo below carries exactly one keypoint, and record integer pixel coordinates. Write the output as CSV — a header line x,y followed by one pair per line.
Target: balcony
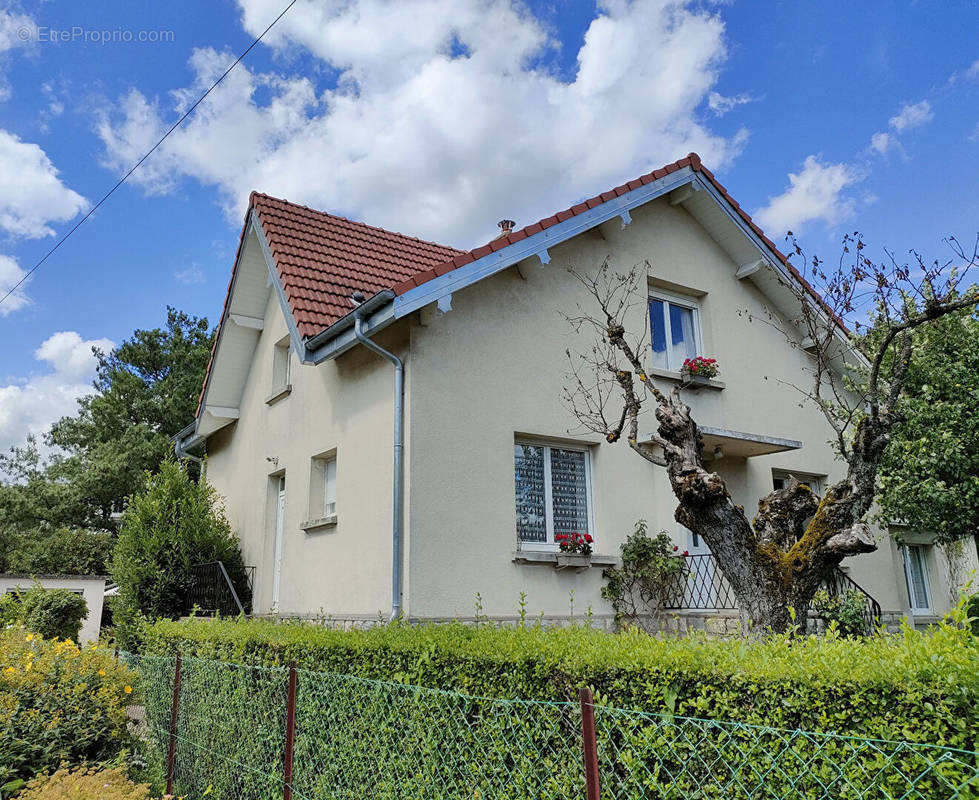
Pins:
x,y
704,588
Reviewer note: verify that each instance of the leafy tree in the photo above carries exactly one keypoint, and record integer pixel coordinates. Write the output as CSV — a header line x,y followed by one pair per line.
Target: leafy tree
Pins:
x,y
65,551
930,473
146,390
777,560
173,524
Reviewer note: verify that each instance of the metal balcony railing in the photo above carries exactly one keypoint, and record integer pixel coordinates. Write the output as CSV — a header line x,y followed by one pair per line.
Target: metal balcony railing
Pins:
x,y
704,588
213,593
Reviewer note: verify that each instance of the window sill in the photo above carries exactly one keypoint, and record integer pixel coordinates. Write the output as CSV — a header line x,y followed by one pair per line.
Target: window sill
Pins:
x,y
691,383
311,525
561,561
278,394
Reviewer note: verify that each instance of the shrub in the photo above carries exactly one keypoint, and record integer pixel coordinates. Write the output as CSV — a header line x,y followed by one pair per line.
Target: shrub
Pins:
x,y
652,568
171,526
11,610
912,686
85,783
58,703
918,686
54,613
848,611
972,609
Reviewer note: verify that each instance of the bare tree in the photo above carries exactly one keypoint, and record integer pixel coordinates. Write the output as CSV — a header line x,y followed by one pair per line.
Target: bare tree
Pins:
x,y
776,561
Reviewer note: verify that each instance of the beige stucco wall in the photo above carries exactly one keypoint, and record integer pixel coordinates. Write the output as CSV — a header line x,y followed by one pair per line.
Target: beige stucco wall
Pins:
x,y
494,367
92,588
344,405
487,371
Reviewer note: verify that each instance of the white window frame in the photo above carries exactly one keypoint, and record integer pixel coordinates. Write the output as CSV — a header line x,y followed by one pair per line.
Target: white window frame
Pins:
x,y
319,471
327,464
925,576
550,545
282,364
683,301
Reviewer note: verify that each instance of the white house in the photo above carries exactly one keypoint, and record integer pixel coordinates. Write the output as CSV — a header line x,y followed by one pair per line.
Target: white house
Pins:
x,y
452,366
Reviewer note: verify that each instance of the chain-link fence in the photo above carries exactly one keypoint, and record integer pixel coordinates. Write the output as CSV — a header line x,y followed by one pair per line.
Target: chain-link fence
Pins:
x,y
230,731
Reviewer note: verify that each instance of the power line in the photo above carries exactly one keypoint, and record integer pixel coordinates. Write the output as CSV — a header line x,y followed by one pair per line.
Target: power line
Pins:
x,y
148,153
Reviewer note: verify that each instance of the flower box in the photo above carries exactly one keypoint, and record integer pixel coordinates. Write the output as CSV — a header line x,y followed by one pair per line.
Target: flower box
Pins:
x,y
573,561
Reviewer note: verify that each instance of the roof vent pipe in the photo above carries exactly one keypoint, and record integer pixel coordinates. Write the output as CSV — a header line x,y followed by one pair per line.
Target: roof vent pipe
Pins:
x,y
397,494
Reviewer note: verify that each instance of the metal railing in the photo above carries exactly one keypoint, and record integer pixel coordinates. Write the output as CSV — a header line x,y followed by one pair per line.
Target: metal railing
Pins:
x,y
212,591
704,588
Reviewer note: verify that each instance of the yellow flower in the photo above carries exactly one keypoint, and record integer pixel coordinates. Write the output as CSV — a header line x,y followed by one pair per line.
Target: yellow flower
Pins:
x,y
127,689
30,637
102,672
10,669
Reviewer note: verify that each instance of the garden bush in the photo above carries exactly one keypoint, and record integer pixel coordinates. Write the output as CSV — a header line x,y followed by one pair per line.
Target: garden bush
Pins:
x,y
58,703
923,687
385,738
166,529
85,783
54,613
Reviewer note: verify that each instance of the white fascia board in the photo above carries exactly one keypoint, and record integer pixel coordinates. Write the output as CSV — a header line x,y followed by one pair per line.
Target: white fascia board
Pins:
x,y
298,346
772,262
538,244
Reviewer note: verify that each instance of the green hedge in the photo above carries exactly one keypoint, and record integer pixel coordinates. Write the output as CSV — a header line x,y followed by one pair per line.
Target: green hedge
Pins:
x,y
920,687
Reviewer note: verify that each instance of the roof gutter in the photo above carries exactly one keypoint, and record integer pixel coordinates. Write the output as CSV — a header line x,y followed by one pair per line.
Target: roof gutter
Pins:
x,y
188,438
376,312
399,393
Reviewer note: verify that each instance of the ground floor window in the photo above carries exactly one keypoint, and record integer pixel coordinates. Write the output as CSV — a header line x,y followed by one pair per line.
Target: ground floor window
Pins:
x,y
916,574
553,493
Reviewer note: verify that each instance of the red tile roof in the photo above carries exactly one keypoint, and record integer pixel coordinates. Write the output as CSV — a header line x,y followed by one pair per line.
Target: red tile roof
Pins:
x,y
323,259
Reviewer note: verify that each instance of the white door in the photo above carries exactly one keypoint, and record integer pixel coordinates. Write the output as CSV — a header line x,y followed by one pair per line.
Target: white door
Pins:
x,y
280,508
702,582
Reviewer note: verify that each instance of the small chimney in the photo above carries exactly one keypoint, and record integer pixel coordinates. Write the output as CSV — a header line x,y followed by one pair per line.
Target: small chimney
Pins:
x,y
506,227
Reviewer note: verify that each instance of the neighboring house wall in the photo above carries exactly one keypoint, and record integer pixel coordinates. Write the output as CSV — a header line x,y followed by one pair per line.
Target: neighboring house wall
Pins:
x,y
343,407
92,588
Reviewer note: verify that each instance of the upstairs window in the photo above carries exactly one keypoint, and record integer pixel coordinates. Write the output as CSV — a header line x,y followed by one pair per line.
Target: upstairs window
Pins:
x,y
281,366
814,482
674,323
553,493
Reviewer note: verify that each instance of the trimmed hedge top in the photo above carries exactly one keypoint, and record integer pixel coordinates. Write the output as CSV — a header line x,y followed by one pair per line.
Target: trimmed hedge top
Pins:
x,y
917,686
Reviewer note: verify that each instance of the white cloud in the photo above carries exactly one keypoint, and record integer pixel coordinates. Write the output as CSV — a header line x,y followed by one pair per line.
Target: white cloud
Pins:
x,y
442,122
190,276
911,116
31,193
816,193
973,71
882,142
31,405
16,30
720,104
10,275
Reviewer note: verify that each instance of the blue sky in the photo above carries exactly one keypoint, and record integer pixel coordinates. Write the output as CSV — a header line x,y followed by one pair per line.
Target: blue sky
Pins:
x,y
437,118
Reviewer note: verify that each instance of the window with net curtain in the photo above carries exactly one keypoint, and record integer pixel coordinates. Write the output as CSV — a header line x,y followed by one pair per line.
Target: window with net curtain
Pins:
x,y
674,323
552,493
916,573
